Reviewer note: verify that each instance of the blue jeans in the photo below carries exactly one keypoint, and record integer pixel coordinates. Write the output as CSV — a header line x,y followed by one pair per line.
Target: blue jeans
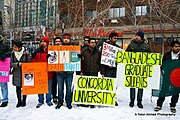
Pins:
x,y
48,95
67,78
4,90
139,94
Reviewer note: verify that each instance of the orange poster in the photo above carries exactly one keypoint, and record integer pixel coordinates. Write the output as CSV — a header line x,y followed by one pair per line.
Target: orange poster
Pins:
x,y
64,58
34,78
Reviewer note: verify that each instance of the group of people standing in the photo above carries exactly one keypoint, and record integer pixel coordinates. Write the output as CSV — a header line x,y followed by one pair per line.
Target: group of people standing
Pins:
x,y
90,66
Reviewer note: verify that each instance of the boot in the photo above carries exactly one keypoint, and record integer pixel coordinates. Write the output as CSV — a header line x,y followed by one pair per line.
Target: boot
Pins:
x,y
69,106
59,105
131,104
55,100
116,104
4,104
18,104
18,93
139,104
23,103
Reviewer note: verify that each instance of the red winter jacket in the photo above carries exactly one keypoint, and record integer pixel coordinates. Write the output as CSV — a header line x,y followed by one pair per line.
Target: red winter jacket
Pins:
x,y
41,56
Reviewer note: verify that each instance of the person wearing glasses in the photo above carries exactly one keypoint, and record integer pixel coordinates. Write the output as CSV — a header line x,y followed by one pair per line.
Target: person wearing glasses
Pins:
x,y
91,58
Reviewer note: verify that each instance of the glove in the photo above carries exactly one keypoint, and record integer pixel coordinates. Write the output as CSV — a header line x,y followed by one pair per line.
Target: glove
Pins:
x,y
48,55
79,55
3,57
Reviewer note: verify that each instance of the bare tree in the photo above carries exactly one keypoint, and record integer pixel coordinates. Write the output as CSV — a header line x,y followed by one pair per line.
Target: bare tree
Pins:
x,y
161,15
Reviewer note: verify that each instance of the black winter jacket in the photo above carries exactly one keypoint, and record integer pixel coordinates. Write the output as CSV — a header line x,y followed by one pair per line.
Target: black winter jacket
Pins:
x,y
135,46
91,61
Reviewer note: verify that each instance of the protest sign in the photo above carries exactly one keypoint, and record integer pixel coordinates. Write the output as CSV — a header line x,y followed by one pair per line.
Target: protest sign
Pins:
x,y
139,69
34,78
5,70
109,53
92,90
63,58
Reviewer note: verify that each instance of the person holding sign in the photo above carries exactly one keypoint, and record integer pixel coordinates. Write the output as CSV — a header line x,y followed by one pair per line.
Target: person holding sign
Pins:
x,y
4,52
91,58
41,55
57,42
65,77
19,56
137,45
171,55
110,71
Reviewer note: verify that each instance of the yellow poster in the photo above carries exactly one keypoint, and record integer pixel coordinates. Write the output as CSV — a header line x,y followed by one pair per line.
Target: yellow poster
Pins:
x,y
139,69
92,90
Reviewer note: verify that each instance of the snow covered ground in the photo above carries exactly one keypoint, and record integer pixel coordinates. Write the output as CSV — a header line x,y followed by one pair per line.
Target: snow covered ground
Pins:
x,y
122,112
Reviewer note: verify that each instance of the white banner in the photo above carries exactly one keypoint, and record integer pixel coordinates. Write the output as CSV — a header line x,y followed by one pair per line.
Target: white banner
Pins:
x,y
109,53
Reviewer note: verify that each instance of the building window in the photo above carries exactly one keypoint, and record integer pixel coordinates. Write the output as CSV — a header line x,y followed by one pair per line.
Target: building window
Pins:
x,y
117,12
141,10
31,20
91,14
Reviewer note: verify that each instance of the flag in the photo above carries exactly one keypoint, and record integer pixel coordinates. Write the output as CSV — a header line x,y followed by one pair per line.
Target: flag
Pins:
x,y
171,78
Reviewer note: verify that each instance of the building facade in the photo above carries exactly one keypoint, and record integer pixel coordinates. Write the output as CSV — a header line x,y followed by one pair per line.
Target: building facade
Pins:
x,y
6,14
32,19
98,18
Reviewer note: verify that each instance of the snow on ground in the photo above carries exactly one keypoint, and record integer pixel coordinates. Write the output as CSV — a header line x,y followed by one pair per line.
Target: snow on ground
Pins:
x,y
122,112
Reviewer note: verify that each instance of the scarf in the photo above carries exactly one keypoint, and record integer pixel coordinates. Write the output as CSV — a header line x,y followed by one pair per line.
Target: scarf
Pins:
x,y
19,54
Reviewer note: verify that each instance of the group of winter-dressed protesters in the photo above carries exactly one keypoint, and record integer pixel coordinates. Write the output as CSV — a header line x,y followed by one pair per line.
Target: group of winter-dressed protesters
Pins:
x,y
90,58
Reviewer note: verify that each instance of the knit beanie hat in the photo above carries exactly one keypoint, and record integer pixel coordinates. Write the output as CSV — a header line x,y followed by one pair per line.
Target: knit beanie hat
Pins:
x,y
141,34
45,39
1,38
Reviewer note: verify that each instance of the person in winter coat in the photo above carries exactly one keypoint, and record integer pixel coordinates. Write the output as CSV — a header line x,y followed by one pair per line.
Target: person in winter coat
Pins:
x,y
171,55
57,42
41,55
91,58
19,56
4,52
85,45
137,45
109,70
